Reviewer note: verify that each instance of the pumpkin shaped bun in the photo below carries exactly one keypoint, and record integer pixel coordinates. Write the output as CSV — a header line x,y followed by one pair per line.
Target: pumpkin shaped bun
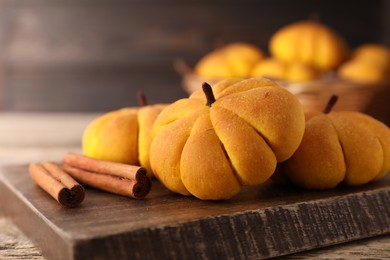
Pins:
x,y
211,143
309,42
370,64
123,135
339,147
278,70
231,60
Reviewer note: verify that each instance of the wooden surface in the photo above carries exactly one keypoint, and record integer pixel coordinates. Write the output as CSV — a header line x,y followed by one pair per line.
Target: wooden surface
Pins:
x,y
265,221
16,246
27,137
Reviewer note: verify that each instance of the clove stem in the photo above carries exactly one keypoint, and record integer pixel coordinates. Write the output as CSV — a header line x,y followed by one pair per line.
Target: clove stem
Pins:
x,y
332,101
141,98
208,91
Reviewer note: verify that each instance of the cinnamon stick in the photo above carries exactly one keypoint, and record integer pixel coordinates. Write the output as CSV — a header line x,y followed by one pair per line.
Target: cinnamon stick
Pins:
x,y
118,178
57,183
110,183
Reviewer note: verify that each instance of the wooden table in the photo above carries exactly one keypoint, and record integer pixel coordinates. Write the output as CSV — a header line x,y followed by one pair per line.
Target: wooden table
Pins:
x,y
27,137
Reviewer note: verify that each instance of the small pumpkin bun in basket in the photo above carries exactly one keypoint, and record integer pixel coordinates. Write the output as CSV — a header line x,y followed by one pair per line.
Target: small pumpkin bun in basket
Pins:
x,y
233,60
309,42
370,65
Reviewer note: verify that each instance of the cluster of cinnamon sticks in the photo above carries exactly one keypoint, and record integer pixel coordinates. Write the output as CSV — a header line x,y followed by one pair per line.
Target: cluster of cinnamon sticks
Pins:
x,y
61,181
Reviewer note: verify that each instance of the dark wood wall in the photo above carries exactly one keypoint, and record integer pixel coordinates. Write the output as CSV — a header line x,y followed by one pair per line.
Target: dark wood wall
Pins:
x,y
86,55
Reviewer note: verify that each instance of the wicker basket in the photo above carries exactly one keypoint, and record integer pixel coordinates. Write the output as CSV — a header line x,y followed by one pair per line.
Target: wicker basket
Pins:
x,y
313,94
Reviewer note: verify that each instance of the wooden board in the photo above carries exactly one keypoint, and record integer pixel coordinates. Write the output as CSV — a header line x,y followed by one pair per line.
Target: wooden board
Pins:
x,y
262,221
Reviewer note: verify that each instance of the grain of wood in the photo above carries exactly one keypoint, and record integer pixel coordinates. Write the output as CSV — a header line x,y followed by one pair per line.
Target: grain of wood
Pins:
x,y
373,248
14,244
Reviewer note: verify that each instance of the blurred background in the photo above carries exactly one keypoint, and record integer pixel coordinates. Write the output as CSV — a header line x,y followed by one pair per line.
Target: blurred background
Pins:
x,y
94,55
